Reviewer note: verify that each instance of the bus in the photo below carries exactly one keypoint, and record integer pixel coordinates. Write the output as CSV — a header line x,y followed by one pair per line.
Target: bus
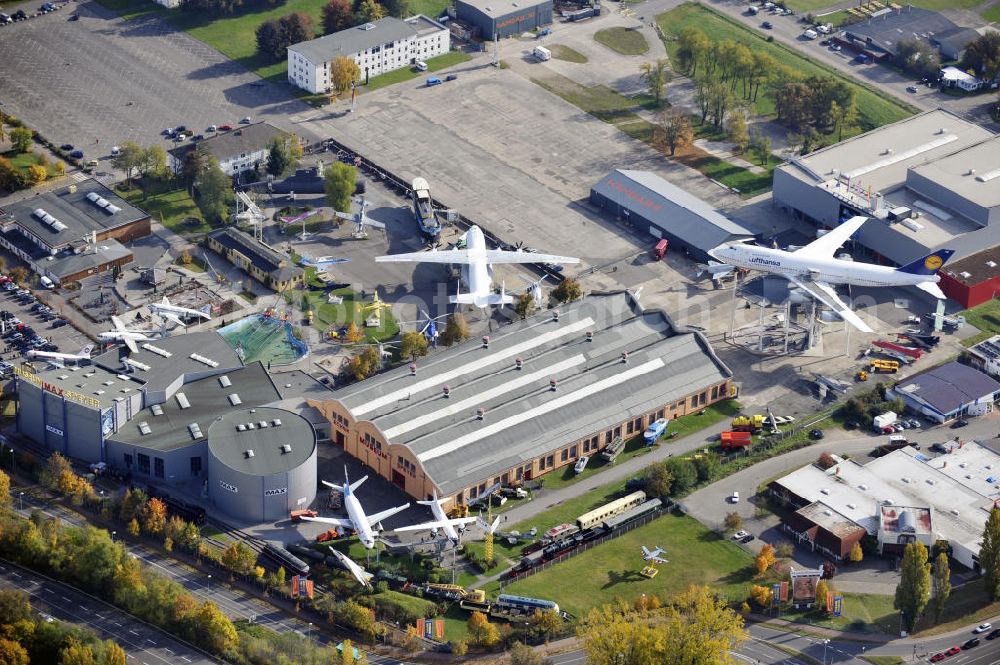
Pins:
x,y
521,605
616,507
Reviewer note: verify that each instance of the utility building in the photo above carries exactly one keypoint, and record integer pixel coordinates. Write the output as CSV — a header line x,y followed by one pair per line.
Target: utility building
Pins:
x,y
530,399
653,205
503,18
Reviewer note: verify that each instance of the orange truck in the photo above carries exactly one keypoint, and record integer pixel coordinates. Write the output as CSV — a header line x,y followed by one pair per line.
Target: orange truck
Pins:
x,y
297,515
328,535
735,440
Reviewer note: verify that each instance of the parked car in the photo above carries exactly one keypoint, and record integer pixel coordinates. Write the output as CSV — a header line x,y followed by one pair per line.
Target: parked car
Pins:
x,y
5,19
432,81
225,128
67,147
952,651
451,77
59,323
961,422
212,128
74,17
76,154
816,434
938,657
836,47
246,121
993,634
983,627
20,15
740,535
911,88
766,25
970,644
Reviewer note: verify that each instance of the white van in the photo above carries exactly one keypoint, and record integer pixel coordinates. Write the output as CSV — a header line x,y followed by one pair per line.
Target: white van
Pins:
x,y
735,498
541,53
421,66
810,34
46,282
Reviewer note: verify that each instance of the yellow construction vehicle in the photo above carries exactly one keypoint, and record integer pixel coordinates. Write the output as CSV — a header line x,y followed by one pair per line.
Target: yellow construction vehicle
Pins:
x,y
885,366
861,375
458,511
747,423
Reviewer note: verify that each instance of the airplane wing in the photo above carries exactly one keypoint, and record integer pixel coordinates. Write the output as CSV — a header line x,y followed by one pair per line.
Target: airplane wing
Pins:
x,y
117,323
428,526
344,215
386,514
825,294
170,316
336,521
826,245
497,256
645,551
130,343
374,224
658,559
444,256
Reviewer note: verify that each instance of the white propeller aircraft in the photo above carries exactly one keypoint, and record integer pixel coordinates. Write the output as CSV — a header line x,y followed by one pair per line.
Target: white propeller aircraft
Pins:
x,y
360,574
123,334
654,554
815,270
320,261
535,291
175,312
60,359
360,219
477,267
441,520
356,517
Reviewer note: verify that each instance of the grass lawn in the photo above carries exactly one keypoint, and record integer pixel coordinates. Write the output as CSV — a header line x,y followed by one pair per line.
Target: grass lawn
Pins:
x,y
22,160
838,18
326,315
807,6
986,317
992,14
168,206
884,660
434,64
623,40
874,108
865,613
966,606
610,571
560,52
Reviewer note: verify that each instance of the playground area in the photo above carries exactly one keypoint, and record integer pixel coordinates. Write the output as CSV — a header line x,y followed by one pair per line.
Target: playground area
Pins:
x,y
266,338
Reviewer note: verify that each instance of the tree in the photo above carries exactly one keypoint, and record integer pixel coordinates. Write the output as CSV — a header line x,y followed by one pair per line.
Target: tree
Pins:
x,y
658,480
546,623
20,139
738,132
56,466
20,275
733,521
75,653
525,305
522,654
684,473
343,72
113,654
675,129
413,345
656,75
761,595
365,363
567,291
826,461
214,189
793,103
4,491
275,36
59,167
397,8
37,174
12,653
153,163
238,558
760,145
129,159
914,587
982,56
354,333
720,100
856,554
133,504
356,616
193,167
340,181
456,330
764,559
154,516
369,11
692,47
940,584
989,554
133,527
707,465
822,591
11,178
278,160
337,16
844,117
918,58
213,629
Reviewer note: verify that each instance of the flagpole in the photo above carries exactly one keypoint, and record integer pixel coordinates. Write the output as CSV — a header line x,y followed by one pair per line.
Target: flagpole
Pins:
x,y
354,95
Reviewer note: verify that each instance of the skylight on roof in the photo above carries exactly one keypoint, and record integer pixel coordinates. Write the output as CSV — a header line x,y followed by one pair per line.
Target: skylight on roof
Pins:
x,y
182,401
234,399
156,409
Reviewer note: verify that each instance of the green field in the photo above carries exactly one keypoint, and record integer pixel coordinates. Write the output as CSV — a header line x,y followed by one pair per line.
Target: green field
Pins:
x,y
610,571
560,52
626,41
167,205
863,613
992,14
986,317
22,160
326,315
434,64
874,108
806,6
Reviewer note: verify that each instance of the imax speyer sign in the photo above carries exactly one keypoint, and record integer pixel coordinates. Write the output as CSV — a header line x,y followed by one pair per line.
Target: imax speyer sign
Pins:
x,y
232,488
54,430
276,492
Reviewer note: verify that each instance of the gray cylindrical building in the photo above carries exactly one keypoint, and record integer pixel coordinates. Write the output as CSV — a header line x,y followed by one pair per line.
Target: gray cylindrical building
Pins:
x,y
261,463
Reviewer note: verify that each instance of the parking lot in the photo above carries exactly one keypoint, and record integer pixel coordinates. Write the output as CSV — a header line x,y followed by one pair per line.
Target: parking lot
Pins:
x,y
22,314
99,80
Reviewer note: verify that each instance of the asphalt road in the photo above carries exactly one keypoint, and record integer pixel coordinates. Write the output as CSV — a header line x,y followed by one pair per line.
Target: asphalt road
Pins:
x,y
143,643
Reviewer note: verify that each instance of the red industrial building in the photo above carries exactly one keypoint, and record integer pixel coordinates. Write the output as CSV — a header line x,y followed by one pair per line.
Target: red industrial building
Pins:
x,y
973,280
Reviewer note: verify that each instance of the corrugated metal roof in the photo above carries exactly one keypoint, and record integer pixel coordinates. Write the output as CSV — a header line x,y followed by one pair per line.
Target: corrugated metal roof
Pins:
x,y
949,387
671,208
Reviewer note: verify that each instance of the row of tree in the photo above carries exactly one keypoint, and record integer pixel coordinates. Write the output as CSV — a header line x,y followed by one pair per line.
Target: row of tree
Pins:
x,y
982,56
21,140
149,162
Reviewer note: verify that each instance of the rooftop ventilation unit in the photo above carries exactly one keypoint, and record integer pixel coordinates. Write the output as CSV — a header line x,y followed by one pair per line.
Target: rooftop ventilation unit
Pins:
x,y
182,401
112,209
250,426
989,175
98,392
248,453
234,399
204,360
157,350
138,365
285,448
195,431
367,26
863,487
241,428
905,479
824,491
144,428
276,422
224,381
262,424
109,382
64,376
828,513
156,409
954,512
852,506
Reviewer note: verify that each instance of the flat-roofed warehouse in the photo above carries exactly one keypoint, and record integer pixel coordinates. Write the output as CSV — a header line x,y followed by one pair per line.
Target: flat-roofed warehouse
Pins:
x,y
555,387
927,182
503,18
651,204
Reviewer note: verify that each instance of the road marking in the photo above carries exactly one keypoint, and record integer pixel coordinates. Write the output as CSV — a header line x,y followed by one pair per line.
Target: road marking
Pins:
x,y
151,641
66,599
133,632
101,616
168,650
185,659
47,590
15,574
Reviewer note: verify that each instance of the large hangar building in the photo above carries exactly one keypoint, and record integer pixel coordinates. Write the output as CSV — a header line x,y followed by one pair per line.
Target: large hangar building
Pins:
x,y
199,422
528,400
504,18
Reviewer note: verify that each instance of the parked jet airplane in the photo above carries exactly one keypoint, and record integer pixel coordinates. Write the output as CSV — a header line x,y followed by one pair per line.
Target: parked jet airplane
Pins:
x,y
360,574
654,554
477,267
60,359
320,261
175,312
123,334
356,517
814,269
441,520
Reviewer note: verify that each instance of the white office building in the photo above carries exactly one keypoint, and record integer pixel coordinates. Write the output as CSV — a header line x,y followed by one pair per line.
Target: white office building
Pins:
x,y
379,47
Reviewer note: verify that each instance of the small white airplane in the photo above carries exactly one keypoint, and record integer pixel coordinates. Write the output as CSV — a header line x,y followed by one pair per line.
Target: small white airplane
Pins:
x,y
175,312
441,521
320,261
535,291
360,219
356,518
360,574
486,526
477,266
123,334
654,554
60,359
815,270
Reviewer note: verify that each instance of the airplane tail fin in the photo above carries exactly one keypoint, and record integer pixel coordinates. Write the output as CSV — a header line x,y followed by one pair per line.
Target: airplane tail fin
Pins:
x,y
85,351
357,483
929,264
